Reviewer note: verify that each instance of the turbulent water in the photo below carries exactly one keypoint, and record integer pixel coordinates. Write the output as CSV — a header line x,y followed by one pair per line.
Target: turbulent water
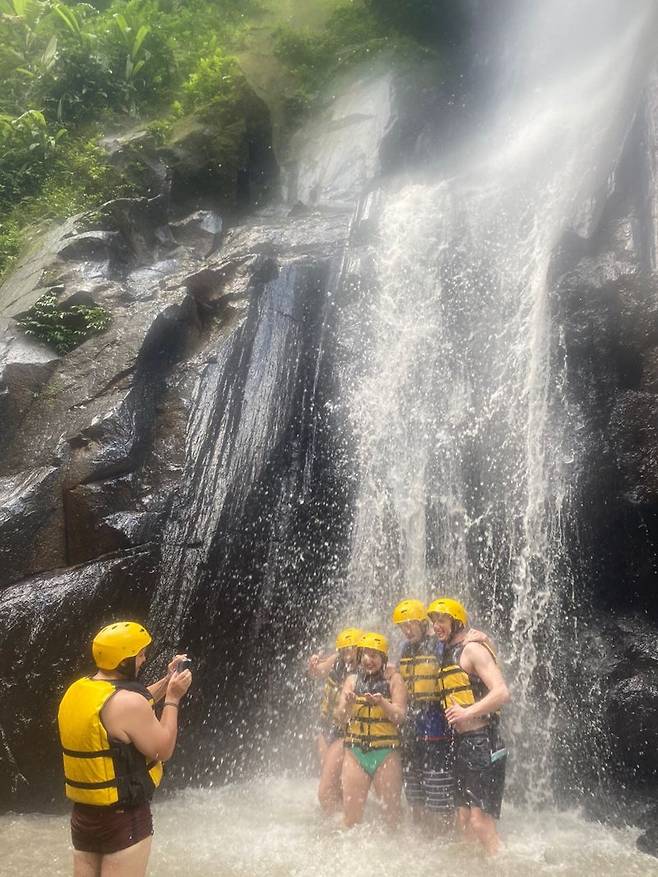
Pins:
x,y
272,828
468,449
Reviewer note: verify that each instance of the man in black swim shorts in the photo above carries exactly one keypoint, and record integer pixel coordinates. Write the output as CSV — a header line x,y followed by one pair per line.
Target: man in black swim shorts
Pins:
x,y
472,690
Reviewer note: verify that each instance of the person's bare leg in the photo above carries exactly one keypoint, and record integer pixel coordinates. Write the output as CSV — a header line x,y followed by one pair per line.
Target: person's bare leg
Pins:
x,y
86,864
356,783
130,862
464,824
388,782
321,747
329,791
483,827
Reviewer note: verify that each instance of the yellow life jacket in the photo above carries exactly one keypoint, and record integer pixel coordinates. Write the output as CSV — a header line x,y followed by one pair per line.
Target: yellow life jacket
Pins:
x,y
98,770
419,667
368,727
333,685
456,685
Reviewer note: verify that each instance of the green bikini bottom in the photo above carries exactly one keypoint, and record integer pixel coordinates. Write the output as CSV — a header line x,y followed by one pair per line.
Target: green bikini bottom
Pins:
x,y
370,760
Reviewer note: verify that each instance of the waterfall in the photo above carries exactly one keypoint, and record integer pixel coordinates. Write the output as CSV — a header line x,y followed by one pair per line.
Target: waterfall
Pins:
x,y
466,444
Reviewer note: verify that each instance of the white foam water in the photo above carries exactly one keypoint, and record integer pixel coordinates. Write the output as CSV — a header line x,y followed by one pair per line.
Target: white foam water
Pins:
x,y
271,827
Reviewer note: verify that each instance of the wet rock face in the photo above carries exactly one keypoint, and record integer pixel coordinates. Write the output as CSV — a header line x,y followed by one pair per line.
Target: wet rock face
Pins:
x,y
46,625
606,300
370,126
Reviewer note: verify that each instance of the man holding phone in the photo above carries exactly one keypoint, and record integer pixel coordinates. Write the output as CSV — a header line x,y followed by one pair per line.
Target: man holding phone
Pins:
x,y
113,747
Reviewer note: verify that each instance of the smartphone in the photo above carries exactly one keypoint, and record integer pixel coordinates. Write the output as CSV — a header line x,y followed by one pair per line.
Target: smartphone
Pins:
x,y
183,665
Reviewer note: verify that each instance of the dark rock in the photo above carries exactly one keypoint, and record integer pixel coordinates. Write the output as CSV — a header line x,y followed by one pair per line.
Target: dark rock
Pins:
x,y
32,534
46,626
200,231
144,226
135,152
634,433
26,282
94,246
237,169
87,507
25,366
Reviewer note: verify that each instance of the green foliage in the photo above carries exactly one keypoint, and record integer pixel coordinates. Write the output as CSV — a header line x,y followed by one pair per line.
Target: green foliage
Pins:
x,y
78,178
355,31
11,241
27,145
68,68
63,328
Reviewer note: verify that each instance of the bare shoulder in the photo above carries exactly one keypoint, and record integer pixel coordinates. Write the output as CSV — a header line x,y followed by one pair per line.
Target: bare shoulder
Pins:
x,y
127,702
395,679
477,654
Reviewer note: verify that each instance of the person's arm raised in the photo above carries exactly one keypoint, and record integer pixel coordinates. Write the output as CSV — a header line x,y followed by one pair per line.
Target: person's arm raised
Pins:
x,y
158,689
154,739
320,667
345,700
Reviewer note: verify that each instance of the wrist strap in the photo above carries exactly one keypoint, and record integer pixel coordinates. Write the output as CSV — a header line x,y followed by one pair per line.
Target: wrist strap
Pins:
x,y
171,703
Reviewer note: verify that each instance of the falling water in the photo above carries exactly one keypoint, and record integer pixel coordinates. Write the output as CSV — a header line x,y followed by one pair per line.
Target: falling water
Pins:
x,y
467,445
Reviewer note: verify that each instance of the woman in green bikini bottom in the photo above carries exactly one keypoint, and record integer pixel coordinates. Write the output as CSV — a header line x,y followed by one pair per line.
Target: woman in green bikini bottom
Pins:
x,y
374,705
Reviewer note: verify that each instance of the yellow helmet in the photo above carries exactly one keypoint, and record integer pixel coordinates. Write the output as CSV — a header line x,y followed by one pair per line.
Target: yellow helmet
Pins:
x,y
118,641
409,610
348,637
375,641
447,606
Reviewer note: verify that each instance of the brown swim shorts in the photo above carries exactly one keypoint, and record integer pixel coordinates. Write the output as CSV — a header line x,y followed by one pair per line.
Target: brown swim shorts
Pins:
x,y
104,830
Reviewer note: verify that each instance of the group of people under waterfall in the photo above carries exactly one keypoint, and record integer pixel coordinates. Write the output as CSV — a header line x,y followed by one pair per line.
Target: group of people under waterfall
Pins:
x,y
430,726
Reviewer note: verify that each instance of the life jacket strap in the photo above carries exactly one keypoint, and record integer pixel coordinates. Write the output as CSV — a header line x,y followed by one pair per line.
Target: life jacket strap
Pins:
x,y
99,753
108,784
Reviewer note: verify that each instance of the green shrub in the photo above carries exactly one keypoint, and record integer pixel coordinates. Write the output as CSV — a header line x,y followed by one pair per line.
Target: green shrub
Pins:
x,y
78,178
354,32
11,242
27,146
63,328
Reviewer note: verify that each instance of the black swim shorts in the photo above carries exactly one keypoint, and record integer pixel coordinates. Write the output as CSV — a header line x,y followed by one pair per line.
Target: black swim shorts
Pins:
x,y
105,830
428,776
480,781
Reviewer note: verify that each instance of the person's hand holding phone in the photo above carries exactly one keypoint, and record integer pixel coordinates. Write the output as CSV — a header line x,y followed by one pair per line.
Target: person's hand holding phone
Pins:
x,y
172,666
178,685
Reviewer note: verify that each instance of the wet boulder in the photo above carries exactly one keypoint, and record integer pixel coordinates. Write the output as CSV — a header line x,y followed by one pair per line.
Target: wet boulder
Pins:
x,y
634,433
367,125
25,366
32,536
143,224
46,626
200,231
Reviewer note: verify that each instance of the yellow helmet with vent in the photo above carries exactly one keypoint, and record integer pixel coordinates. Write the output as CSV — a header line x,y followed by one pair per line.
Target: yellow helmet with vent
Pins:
x,y
118,641
409,610
448,606
348,637
375,641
